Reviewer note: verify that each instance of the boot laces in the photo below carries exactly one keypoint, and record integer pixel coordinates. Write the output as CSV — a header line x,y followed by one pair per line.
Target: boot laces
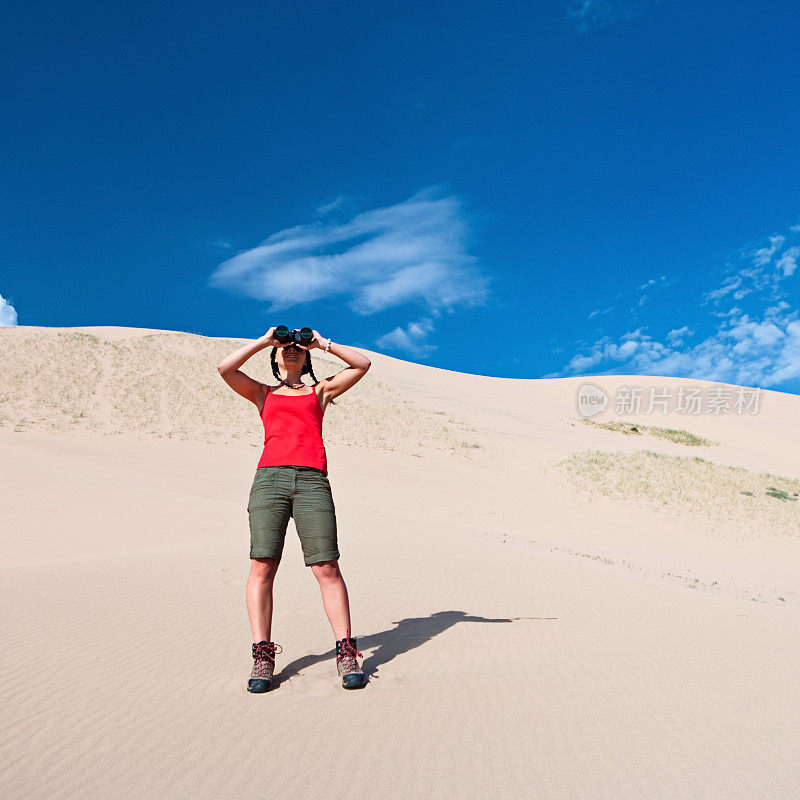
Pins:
x,y
347,651
266,651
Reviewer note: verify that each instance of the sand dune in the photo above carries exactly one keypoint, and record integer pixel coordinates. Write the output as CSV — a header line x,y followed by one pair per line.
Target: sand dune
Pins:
x,y
547,608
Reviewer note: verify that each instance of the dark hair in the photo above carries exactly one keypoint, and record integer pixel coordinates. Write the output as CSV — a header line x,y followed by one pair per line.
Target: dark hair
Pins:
x,y
306,370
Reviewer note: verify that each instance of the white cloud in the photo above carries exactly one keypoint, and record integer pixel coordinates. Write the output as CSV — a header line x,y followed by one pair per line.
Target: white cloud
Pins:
x,y
333,205
661,279
638,296
8,315
788,261
411,252
756,270
729,284
743,351
763,255
645,288
748,349
676,335
589,14
412,339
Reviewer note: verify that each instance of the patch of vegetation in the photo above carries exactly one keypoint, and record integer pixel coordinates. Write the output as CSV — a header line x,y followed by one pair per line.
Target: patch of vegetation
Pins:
x,y
80,336
627,428
732,496
780,494
676,435
681,437
167,385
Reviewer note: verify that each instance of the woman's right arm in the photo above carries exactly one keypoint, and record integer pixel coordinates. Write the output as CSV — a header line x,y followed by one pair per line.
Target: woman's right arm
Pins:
x,y
243,384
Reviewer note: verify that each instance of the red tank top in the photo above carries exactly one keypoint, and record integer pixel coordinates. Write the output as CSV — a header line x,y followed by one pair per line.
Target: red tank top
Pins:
x,y
293,431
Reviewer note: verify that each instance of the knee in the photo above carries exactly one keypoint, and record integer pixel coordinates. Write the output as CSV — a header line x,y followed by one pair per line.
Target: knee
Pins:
x,y
263,570
326,571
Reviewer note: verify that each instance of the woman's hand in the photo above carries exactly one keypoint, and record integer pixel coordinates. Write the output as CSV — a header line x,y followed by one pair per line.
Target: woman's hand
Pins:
x,y
318,341
268,339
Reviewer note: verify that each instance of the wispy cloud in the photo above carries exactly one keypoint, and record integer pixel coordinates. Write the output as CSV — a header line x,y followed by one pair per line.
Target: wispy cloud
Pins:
x,y
637,296
8,315
588,14
329,206
676,335
759,348
759,269
412,339
744,351
787,263
649,287
412,252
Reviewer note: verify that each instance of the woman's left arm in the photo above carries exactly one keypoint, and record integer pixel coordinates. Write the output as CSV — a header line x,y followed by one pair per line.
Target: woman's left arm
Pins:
x,y
358,364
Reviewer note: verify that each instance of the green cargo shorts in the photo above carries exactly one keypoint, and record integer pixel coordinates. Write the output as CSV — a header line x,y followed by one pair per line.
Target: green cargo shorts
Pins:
x,y
304,493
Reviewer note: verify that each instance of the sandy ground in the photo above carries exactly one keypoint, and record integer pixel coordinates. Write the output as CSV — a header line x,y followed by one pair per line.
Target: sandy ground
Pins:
x,y
524,635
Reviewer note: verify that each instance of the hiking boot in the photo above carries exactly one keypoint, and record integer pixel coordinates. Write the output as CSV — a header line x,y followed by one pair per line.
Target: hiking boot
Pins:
x,y
263,666
352,675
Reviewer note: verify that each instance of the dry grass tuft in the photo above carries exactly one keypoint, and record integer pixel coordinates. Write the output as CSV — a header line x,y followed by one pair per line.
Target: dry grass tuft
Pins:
x,y
167,385
759,502
676,435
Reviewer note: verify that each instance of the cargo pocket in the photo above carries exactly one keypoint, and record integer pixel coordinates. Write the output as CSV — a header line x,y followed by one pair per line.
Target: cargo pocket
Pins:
x,y
264,492
321,497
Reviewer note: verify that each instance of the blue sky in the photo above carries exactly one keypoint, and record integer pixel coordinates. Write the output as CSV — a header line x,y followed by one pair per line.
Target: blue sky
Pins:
x,y
516,189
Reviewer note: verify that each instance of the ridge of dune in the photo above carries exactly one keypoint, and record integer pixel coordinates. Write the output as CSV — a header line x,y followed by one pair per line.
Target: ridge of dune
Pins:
x,y
505,406
143,383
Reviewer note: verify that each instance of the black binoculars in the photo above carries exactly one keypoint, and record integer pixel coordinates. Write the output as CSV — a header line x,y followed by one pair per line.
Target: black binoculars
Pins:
x,y
303,336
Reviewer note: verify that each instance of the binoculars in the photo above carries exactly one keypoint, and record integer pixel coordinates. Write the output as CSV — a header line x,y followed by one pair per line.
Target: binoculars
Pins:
x,y
303,336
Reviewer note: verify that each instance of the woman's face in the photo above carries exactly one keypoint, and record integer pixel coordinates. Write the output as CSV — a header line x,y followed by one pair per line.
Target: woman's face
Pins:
x,y
291,357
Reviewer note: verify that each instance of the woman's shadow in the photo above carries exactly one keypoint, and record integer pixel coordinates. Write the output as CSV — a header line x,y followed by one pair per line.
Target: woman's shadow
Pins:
x,y
409,634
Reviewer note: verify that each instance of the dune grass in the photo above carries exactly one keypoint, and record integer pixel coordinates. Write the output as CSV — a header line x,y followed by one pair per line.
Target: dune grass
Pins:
x,y
760,502
167,385
677,435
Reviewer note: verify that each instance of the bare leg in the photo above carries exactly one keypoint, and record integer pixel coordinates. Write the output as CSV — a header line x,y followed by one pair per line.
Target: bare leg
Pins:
x,y
259,597
334,596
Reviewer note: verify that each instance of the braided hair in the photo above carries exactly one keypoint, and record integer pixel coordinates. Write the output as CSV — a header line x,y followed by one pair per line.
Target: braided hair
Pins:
x,y
306,370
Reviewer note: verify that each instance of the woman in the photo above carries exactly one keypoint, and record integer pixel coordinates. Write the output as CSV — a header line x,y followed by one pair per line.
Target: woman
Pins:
x,y
291,480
